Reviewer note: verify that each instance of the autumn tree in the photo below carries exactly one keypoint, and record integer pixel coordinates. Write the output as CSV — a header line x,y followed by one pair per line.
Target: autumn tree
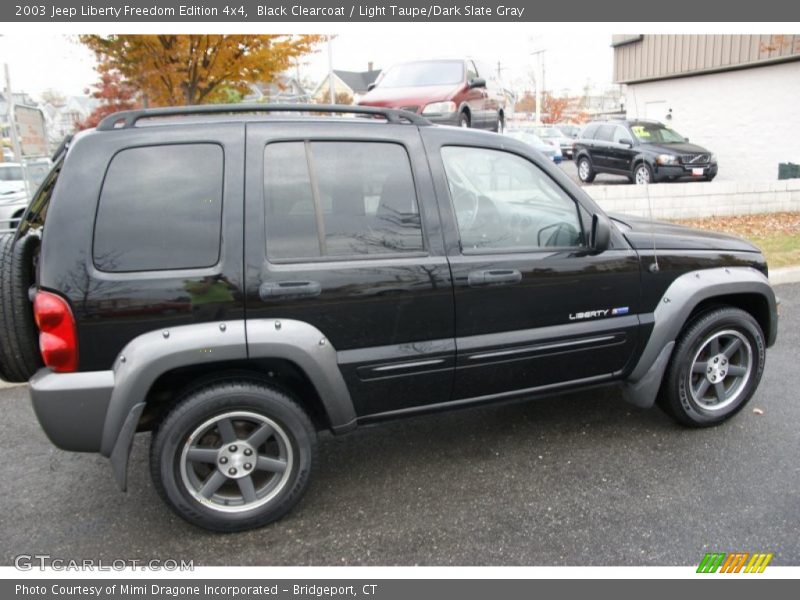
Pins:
x,y
553,108
114,94
197,69
526,104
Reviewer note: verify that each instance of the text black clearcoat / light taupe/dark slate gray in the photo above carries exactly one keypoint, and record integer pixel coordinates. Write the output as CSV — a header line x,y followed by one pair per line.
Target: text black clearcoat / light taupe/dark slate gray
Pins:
x,y
345,339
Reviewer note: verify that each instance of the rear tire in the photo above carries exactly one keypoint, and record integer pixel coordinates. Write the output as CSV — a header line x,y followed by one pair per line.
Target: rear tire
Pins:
x,y
19,339
233,455
464,120
585,170
715,368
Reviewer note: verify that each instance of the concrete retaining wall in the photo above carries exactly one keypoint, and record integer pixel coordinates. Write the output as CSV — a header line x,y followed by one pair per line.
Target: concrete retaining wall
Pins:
x,y
699,199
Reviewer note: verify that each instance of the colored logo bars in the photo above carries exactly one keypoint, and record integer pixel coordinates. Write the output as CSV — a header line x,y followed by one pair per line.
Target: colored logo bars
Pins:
x,y
735,562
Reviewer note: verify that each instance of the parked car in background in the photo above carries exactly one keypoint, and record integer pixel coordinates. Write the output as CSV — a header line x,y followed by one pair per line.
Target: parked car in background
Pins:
x,y
12,207
643,151
462,91
13,196
553,135
568,129
12,173
550,151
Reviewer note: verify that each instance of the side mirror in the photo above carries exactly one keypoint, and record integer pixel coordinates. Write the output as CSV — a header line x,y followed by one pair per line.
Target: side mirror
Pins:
x,y
371,86
626,142
685,139
600,237
478,82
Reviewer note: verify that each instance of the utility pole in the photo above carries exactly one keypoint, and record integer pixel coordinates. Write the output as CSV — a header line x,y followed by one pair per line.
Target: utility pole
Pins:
x,y
13,129
539,54
331,92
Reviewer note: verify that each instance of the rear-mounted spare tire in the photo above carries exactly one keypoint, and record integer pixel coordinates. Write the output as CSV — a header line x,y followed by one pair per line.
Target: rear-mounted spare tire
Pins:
x,y
19,339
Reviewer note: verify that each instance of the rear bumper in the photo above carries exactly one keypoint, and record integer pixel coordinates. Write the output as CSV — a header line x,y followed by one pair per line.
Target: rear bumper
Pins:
x,y
72,407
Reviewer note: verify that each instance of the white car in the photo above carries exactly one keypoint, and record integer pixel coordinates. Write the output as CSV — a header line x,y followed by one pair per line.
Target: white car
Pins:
x,y
13,196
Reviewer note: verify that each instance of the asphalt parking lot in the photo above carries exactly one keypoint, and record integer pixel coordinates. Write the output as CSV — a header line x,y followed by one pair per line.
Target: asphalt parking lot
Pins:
x,y
572,480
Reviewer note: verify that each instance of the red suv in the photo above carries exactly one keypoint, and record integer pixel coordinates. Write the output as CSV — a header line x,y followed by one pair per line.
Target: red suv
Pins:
x,y
458,91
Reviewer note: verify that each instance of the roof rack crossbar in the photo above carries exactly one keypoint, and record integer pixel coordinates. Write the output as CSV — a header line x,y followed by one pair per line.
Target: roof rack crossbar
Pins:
x,y
128,118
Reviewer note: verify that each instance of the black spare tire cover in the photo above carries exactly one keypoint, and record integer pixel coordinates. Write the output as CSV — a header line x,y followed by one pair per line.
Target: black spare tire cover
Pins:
x,y
19,339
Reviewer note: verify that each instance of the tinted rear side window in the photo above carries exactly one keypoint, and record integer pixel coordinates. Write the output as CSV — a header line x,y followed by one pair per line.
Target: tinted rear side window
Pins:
x,y
339,199
589,131
160,208
605,133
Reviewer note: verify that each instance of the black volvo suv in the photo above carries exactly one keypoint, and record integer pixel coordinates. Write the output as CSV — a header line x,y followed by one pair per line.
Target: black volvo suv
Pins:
x,y
237,278
643,151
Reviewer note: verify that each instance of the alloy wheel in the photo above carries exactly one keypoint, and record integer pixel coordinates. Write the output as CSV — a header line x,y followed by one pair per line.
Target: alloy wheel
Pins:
x,y
642,175
236,461
721,369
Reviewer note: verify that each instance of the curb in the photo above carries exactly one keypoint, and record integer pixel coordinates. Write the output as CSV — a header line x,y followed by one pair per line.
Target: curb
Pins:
x,y
4,385
784,275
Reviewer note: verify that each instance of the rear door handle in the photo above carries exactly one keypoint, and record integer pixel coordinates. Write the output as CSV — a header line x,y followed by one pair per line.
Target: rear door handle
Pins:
x,y
271,290
494,277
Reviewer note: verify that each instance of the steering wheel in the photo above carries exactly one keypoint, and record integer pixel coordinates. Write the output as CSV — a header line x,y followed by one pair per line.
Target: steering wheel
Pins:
x,y
465,203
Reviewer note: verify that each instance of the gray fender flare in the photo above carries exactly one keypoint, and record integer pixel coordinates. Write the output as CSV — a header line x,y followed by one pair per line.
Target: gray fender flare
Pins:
x,y
152,354
682,296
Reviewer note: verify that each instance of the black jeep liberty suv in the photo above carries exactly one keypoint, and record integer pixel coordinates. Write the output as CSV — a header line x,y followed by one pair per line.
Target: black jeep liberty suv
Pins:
x,y
237,278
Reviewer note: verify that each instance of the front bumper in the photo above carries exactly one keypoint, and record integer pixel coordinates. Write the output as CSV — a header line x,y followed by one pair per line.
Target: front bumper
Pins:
x,y
442,119
664,172
72,407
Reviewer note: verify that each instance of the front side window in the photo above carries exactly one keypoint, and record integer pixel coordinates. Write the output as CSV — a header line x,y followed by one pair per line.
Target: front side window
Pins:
x,y
160,208
423,73
620,134
339,199
504,202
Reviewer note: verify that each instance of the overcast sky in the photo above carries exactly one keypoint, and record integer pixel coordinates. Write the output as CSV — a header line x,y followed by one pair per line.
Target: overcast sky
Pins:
x,y
60,62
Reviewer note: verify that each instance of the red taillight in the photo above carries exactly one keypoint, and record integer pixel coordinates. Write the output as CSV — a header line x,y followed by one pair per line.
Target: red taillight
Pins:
x,y
58,341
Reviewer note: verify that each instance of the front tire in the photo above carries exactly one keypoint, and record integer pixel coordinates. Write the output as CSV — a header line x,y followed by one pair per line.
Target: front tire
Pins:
x,y
715,368
464,120
233,456
501,123
642,174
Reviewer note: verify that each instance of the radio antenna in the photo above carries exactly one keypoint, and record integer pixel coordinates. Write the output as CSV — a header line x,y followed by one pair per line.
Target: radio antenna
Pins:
x,y
653,267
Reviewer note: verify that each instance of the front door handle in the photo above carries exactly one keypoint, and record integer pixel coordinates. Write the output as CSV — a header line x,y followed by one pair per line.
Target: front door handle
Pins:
x,y
272,290
494,277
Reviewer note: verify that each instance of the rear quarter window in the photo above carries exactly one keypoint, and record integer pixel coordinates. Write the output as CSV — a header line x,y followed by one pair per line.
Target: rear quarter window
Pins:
x,y
160,208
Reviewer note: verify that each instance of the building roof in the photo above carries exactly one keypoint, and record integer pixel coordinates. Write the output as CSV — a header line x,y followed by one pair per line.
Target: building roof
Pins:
x,y
661,56
358,81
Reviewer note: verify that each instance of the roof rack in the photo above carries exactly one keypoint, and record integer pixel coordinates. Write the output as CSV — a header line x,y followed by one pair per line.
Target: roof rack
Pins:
x,y
127,119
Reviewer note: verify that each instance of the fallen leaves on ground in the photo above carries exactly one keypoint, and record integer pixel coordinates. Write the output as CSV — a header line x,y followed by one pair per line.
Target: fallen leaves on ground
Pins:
x,y
750,226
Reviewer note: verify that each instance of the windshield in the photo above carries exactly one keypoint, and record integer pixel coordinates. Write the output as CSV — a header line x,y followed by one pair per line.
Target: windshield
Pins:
x,y
548,132
527,137
10,174
432,72
655,133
